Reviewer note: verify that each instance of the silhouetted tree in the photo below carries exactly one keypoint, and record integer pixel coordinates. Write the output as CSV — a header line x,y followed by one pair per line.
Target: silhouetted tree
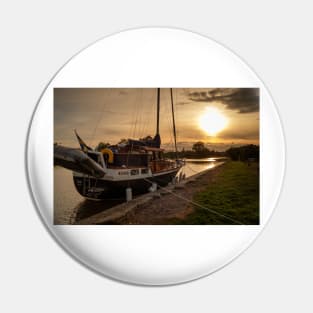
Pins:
x,y
123,140
199,147
147,138
102,145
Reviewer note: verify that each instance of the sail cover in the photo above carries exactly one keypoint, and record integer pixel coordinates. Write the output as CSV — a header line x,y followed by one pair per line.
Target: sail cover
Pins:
x,y
155,142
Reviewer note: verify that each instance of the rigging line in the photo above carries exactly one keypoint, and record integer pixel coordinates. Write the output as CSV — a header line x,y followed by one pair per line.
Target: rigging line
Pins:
x,y
134,130
170,123
166,121
198,205
138,116
141,132
148,119
136,112
158,111
151,121
174,127
178,115
133,115
100,115
144,122
176,111
140,119
145,117
142,111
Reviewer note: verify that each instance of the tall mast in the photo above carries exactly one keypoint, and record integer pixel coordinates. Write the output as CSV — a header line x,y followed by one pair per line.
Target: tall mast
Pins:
x,y
158,112
174,127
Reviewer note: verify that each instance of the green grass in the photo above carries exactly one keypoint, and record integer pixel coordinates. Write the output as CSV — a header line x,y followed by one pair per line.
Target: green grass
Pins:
x,y
234,193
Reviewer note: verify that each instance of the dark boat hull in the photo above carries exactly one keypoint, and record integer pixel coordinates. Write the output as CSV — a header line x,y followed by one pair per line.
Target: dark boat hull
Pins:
x,y
93,188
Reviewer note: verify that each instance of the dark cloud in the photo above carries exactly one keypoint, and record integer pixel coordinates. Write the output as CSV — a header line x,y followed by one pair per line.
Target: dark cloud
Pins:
x,y
242,100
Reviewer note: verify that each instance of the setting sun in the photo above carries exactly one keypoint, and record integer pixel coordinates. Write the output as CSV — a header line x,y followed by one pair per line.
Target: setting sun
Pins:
x,y
212,121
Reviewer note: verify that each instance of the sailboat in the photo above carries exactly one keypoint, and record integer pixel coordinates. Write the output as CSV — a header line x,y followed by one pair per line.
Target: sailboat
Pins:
x,y
135,166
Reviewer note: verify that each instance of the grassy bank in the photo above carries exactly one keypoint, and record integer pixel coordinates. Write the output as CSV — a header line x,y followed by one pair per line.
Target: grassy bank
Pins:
x,y
233,193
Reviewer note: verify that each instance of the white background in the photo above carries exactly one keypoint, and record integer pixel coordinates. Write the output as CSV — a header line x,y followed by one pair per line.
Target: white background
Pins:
x,y
273,274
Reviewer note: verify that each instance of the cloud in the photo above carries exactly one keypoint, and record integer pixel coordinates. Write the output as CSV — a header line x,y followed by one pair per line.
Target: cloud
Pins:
x,y
242,100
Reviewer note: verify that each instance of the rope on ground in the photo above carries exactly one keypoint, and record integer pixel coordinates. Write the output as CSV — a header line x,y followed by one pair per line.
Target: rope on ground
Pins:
x,y
188,166
196,204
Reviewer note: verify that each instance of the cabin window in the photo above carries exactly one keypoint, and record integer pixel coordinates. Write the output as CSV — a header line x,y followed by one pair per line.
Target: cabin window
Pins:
x,y
134,172
123,173
144,171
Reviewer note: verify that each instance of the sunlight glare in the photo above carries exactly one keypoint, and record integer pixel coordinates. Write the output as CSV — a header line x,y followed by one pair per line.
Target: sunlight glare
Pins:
x,y
212,121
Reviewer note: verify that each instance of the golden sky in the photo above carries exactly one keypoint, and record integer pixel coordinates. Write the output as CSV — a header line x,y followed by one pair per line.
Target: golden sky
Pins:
x,y
109,114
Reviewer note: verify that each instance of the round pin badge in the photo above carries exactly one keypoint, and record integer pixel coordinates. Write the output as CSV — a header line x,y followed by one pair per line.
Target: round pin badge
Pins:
x,y
155,156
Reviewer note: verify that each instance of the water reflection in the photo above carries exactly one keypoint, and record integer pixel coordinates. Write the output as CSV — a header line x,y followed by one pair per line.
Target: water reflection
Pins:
x,y
194,166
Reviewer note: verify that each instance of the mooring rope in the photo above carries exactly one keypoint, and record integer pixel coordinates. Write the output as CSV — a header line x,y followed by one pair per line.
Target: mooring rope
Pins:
x,y
197,204
188,166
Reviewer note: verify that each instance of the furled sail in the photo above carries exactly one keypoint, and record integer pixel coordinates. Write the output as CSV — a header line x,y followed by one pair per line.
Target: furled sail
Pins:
x,y
153,142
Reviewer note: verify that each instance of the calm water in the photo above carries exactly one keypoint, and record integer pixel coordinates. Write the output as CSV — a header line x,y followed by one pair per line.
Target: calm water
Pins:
x,y
70,205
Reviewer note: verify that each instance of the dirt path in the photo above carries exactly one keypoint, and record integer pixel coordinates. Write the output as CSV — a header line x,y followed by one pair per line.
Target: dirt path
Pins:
x,y
165,206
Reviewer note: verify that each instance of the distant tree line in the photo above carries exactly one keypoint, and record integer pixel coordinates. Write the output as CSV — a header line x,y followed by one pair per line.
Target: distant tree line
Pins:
x,y
199,150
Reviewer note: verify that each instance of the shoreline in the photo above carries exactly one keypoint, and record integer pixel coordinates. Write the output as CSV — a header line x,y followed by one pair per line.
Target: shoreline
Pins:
x,y
159,207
